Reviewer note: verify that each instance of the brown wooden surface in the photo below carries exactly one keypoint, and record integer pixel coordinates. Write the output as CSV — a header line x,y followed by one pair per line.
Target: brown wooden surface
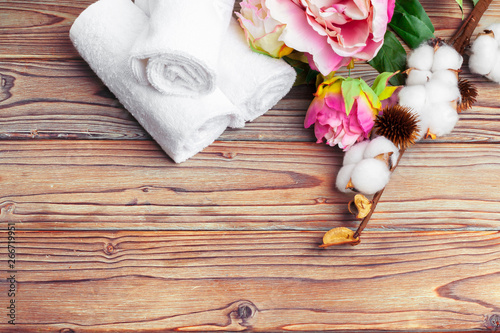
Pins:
x,y
111,235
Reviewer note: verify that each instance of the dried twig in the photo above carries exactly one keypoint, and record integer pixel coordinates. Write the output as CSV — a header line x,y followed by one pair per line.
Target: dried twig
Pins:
x,y
461,39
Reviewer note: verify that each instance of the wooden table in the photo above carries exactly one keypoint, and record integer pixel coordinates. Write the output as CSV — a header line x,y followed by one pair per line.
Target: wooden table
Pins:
x,y
111,235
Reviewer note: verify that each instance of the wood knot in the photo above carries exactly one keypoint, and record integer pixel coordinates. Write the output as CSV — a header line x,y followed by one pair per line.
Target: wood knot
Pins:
x,y
492,322
109,249
6,83
7,208
229,155
246,310
66,330
321,200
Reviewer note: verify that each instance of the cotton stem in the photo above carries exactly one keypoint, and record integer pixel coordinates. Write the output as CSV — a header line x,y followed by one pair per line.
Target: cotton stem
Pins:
x,y
461,39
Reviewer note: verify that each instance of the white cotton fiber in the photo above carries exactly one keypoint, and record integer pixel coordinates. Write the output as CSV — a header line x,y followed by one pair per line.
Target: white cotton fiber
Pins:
x,y
442,119
343,177
416,77
422,57
355,153
496,30
381,145
412,97
438,92
370,176
423,124
494,75
484,54
446,76
446,57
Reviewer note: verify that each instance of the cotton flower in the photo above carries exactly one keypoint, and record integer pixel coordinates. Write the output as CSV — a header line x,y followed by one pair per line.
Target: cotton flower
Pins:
x,y
343,177
484,54
370,176
432,96
355,154
417,77
413,97
442,118
379,146
446,57
447,77
421,58
437,91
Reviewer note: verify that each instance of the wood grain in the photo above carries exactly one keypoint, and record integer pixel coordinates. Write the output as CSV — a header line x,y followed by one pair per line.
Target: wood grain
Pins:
x,y
263,281
133,185
65,100
111,235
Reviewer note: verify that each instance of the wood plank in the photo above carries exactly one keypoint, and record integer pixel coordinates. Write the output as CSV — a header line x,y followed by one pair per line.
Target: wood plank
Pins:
x,y
38,103
263,281
39,29
237,185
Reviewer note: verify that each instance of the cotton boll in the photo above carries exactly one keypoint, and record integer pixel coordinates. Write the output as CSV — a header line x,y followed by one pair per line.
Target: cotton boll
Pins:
x,y
442,119
422,57
484,54
446,57
494,75
412,97
370,176
416,77
355,153
381,145
343,177
496,30
446,76
423,124
438,91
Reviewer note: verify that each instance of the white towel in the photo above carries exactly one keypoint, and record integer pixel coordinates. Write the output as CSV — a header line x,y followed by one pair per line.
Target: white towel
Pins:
x,y
177,51
252,81
103,35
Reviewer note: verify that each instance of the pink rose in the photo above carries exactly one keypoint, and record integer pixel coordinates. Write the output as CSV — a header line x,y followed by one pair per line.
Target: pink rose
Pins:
x,y
261,30
333,32
344,109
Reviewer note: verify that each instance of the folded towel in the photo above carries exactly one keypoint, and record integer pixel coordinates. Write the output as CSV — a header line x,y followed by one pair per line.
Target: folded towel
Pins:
x,y
252,81
177,51
103,35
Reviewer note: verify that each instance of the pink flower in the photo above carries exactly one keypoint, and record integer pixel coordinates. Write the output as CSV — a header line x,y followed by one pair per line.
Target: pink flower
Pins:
x,y
333,32
344,109
261,30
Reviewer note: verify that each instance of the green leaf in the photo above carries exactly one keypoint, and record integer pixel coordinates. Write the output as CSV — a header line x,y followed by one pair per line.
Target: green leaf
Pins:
x,y
381,82
475,2
391,58
411,23
305,75
372,96
351,89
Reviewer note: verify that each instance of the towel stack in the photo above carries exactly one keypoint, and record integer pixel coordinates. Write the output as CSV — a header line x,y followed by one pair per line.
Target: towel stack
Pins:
x,y
182,68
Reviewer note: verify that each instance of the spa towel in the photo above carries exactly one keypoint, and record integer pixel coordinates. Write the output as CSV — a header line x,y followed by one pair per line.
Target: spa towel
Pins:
x,y
253,82
177,50
104,34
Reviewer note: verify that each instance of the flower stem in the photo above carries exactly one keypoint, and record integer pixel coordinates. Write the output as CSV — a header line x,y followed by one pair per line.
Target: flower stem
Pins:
x,y
461,39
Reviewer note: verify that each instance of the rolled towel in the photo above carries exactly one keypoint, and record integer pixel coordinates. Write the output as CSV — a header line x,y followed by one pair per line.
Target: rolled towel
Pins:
x,y
177,51
103,35
252,81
